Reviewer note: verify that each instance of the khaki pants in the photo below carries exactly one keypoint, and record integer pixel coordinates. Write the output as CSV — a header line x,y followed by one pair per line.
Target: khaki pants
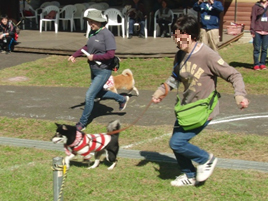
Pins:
x,y
210,38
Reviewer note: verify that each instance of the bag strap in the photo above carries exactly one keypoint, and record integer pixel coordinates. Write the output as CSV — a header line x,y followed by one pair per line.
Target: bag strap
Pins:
x,y
216,93
259,16
182,56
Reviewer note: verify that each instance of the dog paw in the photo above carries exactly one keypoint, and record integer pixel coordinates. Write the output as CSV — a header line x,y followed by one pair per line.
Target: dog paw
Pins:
x,y
112,166
92,167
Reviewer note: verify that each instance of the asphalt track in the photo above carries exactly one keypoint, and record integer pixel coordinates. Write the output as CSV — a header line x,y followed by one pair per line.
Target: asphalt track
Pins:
x,y
58,103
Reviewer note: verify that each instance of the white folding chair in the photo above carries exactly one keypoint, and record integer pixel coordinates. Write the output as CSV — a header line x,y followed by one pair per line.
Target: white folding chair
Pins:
x,y
91,3
86,5
34,16
43,5
112,20
46,11
156,24
104,5
55,3
79,14
145,27
98,6
67,14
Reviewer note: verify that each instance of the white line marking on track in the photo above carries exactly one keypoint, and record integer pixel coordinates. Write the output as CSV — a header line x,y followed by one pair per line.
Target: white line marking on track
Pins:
x,y
237,119
221,120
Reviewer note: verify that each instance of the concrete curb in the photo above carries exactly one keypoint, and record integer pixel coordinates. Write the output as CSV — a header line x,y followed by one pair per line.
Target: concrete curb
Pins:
x,y
136,154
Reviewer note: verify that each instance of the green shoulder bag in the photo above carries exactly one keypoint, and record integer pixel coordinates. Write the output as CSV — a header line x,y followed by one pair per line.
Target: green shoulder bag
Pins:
x,y
194,115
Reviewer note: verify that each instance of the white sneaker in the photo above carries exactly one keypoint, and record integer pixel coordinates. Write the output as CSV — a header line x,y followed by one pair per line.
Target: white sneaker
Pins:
x,y
183,180
205,170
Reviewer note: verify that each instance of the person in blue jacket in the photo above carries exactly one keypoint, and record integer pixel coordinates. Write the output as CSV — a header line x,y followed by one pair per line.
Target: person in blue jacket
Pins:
x,y
210,20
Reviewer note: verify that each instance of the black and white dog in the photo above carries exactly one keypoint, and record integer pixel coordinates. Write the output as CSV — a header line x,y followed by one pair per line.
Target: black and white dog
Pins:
x,y
80,143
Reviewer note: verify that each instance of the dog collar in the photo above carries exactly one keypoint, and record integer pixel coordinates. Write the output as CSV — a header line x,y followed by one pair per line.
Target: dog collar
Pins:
x,y
79,137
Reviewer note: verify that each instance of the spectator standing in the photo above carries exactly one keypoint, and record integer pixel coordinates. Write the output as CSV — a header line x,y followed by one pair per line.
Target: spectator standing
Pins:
x,y
210,21
101,46
259,32
197,68
8,37
137,14
164,17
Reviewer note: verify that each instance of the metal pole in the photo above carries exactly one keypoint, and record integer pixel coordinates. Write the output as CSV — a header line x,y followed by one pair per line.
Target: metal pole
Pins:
x,y
235,11
57,177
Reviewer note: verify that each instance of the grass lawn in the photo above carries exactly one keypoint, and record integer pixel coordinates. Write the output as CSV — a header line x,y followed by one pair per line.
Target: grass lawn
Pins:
x,y
27,172
148,73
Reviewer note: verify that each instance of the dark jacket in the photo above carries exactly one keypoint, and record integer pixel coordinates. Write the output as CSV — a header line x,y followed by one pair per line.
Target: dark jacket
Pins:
x,y
9,28
138,12
210,14
256,15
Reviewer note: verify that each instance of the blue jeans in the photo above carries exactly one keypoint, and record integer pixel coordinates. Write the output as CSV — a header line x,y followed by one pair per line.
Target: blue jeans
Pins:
x,y
98,78
186,152
260,44
131,26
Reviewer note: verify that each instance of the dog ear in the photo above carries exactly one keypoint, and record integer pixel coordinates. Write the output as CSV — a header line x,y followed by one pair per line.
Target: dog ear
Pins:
x,y
58,125
64,127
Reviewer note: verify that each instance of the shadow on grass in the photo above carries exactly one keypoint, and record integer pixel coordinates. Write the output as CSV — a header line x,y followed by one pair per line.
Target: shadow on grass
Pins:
x,y
240,64
81,163
168,168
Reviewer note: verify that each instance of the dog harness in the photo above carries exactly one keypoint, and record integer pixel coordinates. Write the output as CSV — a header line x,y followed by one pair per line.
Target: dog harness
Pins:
x,y
109,83
94,142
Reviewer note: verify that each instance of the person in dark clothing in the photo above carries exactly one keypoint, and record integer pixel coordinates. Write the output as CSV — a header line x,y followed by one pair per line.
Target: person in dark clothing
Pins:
x,y
259,32
164,17
137,14
210,21
8,36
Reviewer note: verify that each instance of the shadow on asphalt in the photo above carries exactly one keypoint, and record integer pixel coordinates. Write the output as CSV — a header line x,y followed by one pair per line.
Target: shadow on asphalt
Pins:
x,y
99,110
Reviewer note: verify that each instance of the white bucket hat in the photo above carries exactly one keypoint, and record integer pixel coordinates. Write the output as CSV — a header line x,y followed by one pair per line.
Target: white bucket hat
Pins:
x,y
95,15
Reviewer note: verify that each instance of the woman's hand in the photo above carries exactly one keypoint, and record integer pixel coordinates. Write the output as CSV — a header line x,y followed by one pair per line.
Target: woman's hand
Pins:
x,y
72,59
90,57
241,102
244,104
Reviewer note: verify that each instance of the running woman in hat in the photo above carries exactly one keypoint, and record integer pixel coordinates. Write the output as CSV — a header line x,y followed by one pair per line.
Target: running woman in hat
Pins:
x,y
101,46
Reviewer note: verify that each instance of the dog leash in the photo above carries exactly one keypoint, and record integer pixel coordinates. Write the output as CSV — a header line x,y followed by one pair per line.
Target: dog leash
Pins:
x,y
139,117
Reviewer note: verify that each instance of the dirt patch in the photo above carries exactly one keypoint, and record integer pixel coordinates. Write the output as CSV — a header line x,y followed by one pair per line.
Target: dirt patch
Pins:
x,y
17,79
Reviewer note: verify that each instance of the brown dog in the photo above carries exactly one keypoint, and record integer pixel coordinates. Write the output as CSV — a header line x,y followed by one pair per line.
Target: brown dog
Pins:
x,y
123,81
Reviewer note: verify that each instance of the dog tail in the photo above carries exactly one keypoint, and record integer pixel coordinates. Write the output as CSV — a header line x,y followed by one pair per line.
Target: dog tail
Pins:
x,y
113,126
127,72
